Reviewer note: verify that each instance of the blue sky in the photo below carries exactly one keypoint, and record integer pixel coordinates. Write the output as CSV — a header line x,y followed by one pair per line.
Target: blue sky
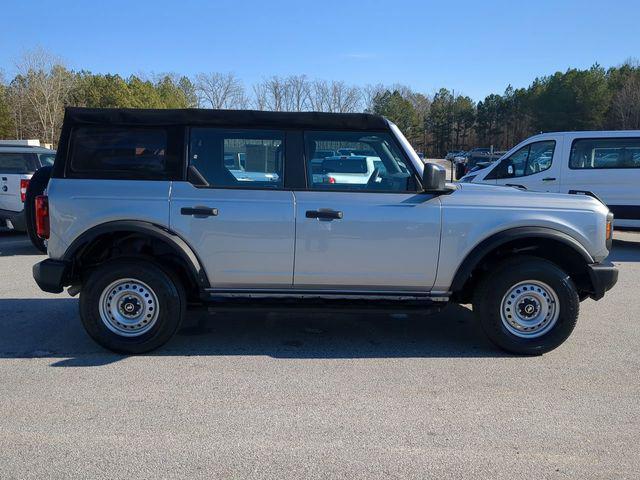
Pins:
x,y
473,47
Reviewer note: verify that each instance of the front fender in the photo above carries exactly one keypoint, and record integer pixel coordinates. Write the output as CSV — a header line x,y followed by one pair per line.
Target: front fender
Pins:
x,y
480,251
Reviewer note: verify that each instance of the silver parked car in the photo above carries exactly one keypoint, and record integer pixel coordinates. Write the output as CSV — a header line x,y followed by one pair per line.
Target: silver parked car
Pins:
x,y
143,217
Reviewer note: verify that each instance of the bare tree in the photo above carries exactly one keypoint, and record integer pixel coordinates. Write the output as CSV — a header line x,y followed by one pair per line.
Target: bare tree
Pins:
x,y
18,105
276,94
320,97
626,104
283,94
345,98
221,90
335,96
6,122
43,85
370,93
298,92
260,96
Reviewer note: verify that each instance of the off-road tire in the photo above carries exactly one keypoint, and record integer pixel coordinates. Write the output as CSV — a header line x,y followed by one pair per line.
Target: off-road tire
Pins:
x,y
487,303
162,284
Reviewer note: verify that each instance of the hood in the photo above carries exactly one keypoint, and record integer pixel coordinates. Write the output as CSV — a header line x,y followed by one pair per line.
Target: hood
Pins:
x,y
495,195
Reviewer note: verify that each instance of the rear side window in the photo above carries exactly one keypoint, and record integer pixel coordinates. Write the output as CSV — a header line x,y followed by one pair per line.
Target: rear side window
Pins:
x,y
238,158
15,163
124,153
604,153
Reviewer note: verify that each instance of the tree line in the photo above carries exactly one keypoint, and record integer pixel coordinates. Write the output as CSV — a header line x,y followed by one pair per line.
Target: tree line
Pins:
x,y
32,102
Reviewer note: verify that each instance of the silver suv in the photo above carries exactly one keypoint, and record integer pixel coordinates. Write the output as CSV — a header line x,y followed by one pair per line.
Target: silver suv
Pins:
x,y
144,216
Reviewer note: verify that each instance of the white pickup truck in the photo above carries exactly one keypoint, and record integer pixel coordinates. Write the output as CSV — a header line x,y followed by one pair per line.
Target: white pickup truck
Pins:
x,y
350,169
17,164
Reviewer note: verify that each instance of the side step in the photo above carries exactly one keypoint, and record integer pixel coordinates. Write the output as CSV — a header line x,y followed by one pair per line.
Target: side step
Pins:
x,y
221,305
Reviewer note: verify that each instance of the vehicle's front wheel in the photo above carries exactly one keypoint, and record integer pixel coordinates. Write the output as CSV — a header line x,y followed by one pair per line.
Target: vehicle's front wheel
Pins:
x,y
131,306
527,305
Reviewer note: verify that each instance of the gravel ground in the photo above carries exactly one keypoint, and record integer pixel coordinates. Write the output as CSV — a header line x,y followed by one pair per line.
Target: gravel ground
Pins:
x,y
316,396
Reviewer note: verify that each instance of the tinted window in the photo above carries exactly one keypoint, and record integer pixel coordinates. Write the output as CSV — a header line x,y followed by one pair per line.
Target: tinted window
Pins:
x,y
15,163
605,153
238,158
120,152
357,161
46,159
529,160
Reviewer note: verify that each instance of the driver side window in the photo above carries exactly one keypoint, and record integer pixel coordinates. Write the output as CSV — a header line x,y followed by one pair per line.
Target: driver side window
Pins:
x,y
357,161
529,160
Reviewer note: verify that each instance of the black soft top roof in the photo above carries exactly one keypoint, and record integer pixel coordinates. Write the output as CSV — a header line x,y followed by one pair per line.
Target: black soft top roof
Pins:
x,y
224,118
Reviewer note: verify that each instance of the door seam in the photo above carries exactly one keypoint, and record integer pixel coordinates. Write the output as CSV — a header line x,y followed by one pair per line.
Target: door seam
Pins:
x,y
295,235
169,203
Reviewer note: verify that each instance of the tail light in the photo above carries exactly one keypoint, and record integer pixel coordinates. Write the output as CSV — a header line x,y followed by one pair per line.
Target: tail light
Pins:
x,y
332,180
42,216
24,183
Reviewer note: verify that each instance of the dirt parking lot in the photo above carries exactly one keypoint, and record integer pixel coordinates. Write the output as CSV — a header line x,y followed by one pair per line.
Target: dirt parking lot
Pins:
x,y
316,396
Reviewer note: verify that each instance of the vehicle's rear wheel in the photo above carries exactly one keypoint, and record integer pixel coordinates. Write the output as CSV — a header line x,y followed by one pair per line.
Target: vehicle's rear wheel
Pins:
x,y
527,305
131,306
36,187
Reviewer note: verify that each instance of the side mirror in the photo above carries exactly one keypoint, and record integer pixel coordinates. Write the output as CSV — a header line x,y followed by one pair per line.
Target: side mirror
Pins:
x,y
434,178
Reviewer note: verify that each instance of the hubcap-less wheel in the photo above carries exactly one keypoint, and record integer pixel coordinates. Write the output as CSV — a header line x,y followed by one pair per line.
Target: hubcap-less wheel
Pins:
x,y
128,307
530,309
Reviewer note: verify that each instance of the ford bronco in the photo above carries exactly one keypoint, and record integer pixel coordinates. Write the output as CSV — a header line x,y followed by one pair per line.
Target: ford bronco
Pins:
x,y
144,215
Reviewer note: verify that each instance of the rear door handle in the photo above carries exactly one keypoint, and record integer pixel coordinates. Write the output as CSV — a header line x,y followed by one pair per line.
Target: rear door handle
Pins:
x,y
324,214
199,212
549,179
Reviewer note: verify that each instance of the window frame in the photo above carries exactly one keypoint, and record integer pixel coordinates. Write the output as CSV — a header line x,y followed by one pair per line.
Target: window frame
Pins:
x,y
594,139
286,153
174,154
394,142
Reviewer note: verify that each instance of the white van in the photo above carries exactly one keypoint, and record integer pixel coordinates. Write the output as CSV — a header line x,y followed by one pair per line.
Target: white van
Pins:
x,y
606,164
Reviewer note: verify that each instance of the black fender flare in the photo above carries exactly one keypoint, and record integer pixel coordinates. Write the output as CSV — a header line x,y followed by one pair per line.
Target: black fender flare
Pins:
x,y
155,231
473,258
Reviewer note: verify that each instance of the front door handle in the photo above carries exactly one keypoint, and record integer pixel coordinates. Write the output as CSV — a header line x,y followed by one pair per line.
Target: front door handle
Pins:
x,y
324,214
549,179
199,212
